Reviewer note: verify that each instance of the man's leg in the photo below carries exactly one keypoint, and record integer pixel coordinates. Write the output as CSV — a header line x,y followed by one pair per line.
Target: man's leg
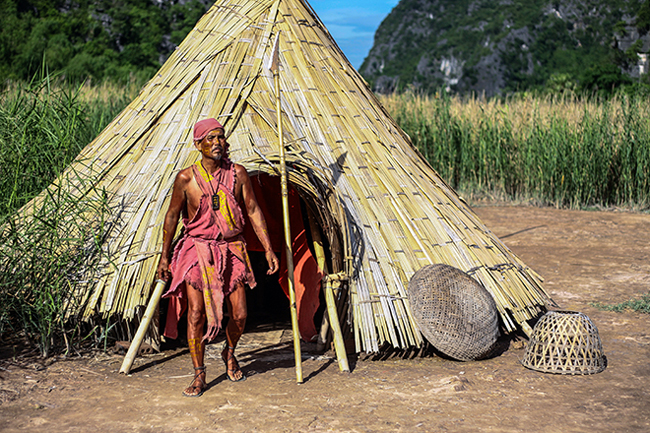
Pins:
x,y
237,310
195,322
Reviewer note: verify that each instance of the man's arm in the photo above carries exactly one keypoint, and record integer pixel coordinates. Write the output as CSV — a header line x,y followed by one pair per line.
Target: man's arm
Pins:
x,y
256,218
171,222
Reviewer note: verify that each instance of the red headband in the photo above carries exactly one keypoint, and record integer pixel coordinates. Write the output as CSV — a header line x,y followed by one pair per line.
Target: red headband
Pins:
x,y
202,128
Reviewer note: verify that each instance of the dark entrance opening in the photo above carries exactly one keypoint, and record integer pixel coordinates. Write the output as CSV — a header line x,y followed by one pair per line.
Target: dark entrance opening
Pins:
x,y
267,303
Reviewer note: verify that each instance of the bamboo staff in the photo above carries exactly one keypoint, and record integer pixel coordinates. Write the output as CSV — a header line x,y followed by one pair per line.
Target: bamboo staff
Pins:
x,y
142,329
328,282
275,68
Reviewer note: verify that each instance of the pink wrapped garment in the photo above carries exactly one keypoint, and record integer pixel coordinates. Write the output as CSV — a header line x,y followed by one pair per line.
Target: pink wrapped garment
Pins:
x,y
211,256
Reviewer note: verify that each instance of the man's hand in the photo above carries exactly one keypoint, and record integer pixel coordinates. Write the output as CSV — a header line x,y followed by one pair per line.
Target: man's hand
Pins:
x,y
163,269
274,263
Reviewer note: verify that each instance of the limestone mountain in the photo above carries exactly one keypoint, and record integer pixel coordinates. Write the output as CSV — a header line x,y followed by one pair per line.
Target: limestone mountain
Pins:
x,y
497,46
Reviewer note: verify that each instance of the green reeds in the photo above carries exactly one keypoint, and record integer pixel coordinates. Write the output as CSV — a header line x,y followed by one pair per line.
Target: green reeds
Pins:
x,y
43,126
566,152
46,259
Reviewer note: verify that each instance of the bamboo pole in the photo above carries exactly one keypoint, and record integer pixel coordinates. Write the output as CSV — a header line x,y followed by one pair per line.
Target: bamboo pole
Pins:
x,y
339,344
323,334
327,283
275,68
142,329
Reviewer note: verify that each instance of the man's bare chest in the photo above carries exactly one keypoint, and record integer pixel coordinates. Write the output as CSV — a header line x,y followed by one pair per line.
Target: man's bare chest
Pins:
x,y
194,194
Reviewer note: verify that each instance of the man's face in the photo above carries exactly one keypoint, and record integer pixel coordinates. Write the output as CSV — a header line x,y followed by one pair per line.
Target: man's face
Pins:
x,y
213,145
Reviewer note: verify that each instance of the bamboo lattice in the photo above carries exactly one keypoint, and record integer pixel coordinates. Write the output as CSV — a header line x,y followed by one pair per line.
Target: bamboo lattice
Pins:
x,y
385,208
565,342
455,313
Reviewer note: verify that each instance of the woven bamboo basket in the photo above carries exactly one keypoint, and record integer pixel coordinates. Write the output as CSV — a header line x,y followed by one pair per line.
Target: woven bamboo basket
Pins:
x,y
565,342
455,313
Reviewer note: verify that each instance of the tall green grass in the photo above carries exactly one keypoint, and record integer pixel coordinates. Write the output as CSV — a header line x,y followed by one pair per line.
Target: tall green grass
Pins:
x,y
46,259
44,124
566,152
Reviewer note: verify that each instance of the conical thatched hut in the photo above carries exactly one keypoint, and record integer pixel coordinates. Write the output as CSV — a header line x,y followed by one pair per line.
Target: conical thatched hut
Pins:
x,y
384,211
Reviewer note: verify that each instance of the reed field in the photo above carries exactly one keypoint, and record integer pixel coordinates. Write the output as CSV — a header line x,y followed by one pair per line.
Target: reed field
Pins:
x,y
46,259
560,151
565,152
43,126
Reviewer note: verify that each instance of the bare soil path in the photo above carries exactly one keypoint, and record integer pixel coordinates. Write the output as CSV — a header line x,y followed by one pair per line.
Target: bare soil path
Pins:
x,y
584,257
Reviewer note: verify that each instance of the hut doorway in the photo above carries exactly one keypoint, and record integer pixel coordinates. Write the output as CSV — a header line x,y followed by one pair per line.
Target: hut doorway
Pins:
x,y
268,303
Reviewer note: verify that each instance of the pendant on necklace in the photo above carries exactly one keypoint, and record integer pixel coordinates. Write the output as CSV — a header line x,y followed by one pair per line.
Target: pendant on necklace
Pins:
x,y
215,202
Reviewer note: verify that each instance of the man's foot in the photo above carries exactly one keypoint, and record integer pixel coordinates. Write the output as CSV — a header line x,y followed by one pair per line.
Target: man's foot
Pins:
x,y
233,371
198,384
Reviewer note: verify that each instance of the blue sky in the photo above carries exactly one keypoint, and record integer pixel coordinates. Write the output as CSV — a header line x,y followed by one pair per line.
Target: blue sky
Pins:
x,y
352,23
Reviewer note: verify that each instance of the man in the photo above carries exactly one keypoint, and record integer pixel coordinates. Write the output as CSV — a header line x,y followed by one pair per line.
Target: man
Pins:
x,y
210,263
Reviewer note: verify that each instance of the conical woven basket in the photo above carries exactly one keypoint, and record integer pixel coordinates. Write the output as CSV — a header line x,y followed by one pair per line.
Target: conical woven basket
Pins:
x,y
565,342
454,312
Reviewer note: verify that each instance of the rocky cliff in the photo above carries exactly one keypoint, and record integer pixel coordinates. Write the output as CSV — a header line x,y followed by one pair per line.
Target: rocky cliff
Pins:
x,y
495,46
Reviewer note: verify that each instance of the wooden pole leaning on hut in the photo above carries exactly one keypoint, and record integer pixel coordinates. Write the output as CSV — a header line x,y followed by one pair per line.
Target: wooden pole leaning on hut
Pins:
x,y
275,68
142,329
328,282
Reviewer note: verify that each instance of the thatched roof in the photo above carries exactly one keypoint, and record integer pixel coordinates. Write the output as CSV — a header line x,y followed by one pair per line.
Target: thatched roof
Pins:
x,y
385,211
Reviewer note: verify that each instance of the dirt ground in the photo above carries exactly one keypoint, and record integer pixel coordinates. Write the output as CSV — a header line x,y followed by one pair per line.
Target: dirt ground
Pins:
x,y
585,257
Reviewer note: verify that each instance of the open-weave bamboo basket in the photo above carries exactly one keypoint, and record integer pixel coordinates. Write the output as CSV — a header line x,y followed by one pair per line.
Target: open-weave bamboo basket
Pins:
x,y
454,312
565,342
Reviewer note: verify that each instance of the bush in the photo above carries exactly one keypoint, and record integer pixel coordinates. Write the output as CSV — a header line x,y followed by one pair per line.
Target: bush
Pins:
x,y
641,305
603,79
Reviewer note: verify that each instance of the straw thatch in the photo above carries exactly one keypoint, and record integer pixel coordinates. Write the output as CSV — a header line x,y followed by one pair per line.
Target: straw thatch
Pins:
x,y
384,210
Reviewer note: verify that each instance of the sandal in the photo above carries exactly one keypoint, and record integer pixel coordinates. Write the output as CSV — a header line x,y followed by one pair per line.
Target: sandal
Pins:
x,y
226,360
192,387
